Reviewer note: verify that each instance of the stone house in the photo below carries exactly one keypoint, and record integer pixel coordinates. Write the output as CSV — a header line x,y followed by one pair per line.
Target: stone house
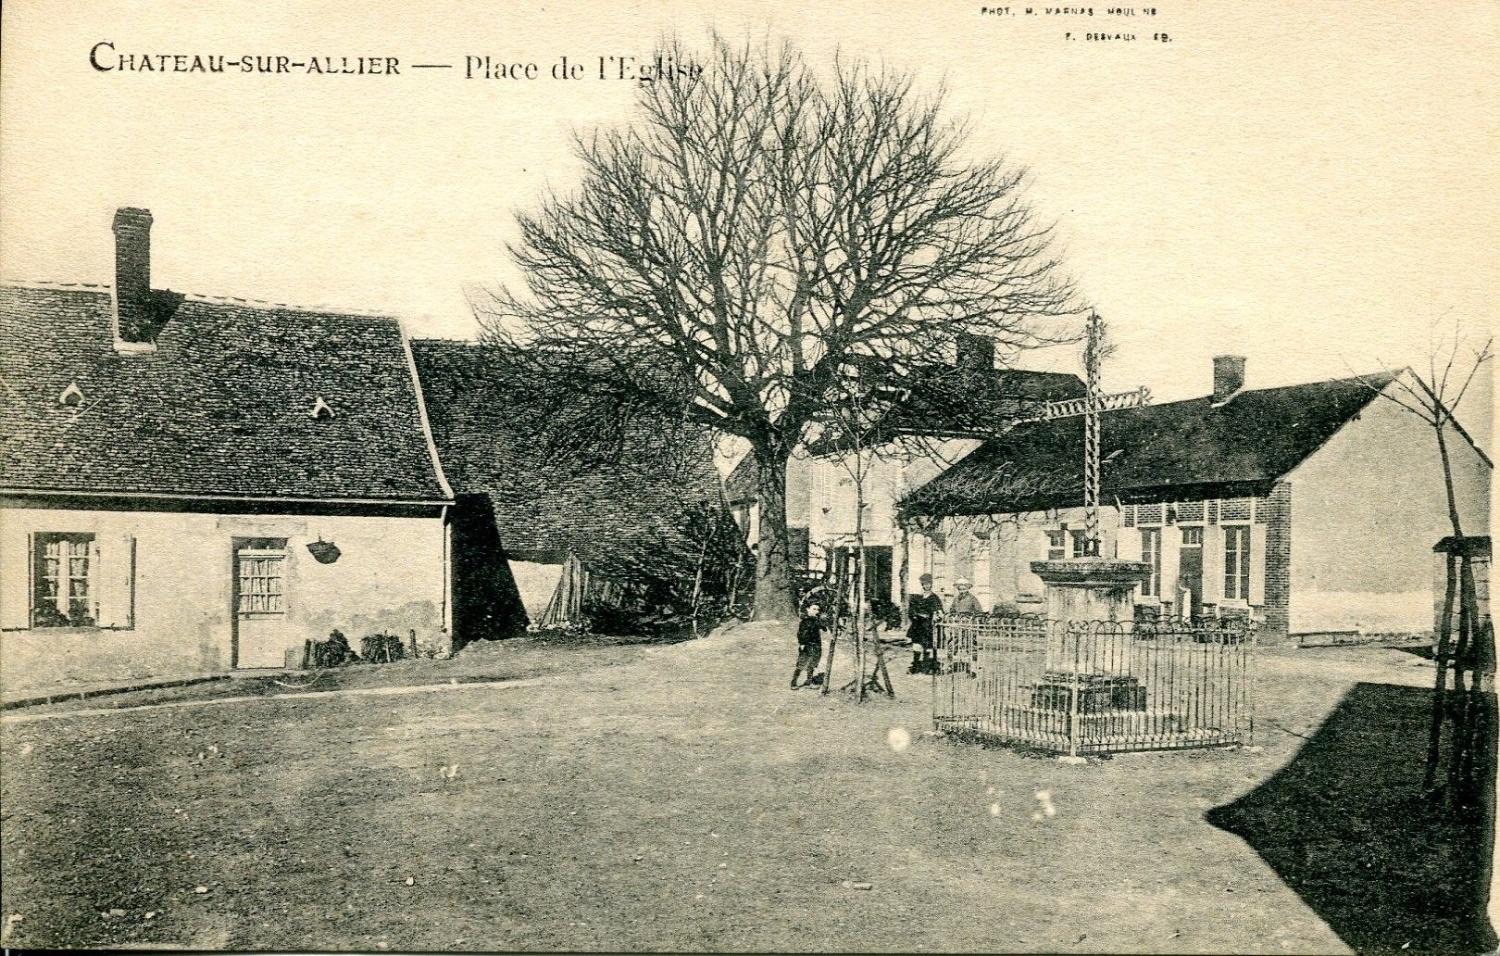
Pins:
x,y
1310,508
191,484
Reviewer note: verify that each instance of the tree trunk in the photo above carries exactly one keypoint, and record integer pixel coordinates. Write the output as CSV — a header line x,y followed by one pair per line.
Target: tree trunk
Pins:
x,y
1439,691
860,585
773,582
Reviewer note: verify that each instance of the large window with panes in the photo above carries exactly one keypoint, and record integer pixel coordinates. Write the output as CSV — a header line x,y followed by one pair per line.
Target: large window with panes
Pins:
x,y
1151,555
63,593
1237,562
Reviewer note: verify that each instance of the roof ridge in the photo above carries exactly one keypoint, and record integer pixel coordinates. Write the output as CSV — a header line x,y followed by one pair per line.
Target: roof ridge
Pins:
x,y
16,283
315,308
448,340
320,309
1248,391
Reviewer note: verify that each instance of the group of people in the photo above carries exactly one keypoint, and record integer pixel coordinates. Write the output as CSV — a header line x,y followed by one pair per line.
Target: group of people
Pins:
x,y
922,612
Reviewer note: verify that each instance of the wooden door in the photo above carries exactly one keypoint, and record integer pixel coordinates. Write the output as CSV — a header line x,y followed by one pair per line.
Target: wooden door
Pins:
x,y
260,598
1190,568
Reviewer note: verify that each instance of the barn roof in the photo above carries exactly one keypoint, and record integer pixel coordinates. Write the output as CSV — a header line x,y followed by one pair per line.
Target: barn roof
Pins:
x,y
223,407
1191,448
619,507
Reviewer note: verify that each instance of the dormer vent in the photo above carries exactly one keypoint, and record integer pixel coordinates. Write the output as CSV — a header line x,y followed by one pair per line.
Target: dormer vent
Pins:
x,y
321,409
72,395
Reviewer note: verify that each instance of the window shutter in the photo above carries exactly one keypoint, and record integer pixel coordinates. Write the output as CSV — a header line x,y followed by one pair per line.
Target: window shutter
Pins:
x,y
1213,565
1258,564
95,580
17,588
114,577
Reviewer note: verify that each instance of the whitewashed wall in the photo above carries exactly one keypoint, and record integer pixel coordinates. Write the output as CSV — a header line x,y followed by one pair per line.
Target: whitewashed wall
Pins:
x,y
1366,510
389,577
996,552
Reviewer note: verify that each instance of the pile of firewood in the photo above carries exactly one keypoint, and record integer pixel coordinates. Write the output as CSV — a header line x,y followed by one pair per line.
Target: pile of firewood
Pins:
x,y
382,648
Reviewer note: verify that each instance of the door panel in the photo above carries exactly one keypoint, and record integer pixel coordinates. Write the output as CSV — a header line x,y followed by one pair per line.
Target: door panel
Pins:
x,y
260,599
1190,575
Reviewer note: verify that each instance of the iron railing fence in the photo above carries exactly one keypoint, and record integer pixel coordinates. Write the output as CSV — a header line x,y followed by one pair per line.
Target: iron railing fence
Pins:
x,y
1097,686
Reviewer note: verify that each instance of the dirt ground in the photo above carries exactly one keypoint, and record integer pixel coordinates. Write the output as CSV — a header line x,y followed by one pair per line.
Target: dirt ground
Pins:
x,y
481,661
682,797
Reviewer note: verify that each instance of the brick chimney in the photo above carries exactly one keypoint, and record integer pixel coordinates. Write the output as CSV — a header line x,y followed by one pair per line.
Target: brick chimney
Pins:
x,y
1229,376
136,323
975,352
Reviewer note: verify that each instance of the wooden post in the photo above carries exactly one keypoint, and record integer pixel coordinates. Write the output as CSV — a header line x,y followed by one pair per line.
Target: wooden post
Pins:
x,y
698,578
1440,686
833,634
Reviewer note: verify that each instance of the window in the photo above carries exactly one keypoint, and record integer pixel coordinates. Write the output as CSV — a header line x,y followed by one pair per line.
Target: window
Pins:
x,y
1057,543
1151,554
63,596
260,583
1062,543
1080,544
1192,537
1237,562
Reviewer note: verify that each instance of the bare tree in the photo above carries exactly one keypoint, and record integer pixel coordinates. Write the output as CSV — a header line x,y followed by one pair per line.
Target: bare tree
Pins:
x,y
756,226
1454,361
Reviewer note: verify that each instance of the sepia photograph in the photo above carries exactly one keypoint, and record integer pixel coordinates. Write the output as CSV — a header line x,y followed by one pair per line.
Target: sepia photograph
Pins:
x,y
748,476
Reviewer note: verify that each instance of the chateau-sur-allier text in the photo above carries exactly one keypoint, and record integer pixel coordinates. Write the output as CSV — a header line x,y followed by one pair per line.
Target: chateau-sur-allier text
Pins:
x,y
106,58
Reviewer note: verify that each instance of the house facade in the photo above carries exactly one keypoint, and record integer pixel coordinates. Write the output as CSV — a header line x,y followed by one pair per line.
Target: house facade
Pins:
x,y
191,485
942,417
1311,509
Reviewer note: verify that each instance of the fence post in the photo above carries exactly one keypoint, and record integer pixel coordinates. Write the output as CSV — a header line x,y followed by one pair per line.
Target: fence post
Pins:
x,y
937,632
1073,704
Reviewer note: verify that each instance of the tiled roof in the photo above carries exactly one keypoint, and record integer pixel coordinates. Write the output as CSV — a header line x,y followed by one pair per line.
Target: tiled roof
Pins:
x,y
960,402
222,407
621,508
940,401
1157,452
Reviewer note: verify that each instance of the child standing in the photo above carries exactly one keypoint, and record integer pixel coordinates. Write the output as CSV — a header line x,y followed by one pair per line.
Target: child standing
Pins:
x,y
809,644
923,609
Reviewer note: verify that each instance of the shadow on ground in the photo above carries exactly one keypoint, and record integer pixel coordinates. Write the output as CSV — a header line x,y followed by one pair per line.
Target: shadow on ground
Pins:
x,y
1344,825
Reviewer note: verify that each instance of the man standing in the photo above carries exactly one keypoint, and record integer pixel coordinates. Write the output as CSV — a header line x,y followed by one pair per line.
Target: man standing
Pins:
x,y
922,609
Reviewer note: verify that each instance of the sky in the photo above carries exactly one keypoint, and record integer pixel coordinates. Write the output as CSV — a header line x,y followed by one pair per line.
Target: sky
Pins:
x,y
1312,186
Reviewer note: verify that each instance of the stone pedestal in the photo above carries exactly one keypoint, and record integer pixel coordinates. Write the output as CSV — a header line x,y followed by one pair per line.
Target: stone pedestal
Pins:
x,y
1083,591
1091,589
